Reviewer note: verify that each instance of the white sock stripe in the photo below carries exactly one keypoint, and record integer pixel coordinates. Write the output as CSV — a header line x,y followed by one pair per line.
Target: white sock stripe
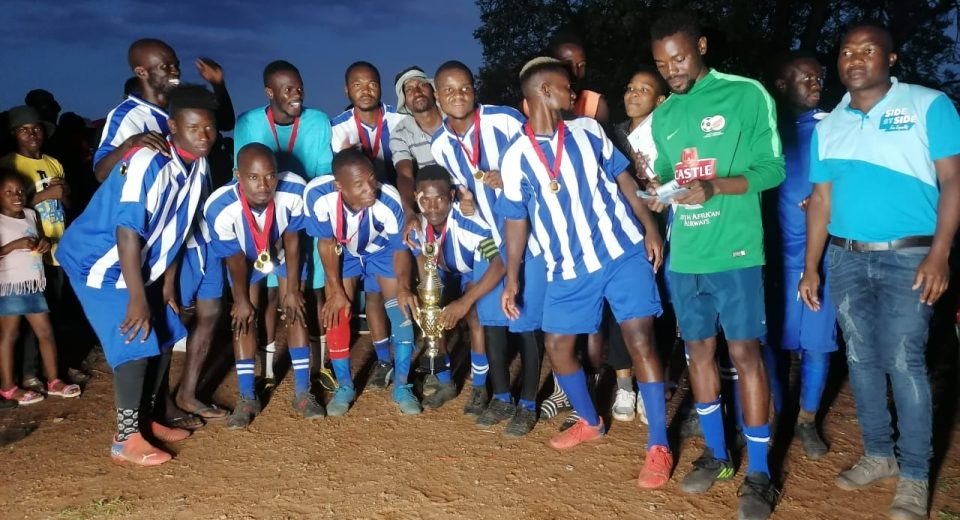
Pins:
x,y
245,365
758,439
242,372
301,364
392,302
381,342
708,410
480,369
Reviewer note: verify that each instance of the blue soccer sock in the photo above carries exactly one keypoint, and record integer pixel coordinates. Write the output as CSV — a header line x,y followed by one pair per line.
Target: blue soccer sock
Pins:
x,y
479,366
814,367
300,359
245,378
443,373
505,397
341,367
575,386
772,362
656,406
758,440
529,405
404,352
711,421
382,347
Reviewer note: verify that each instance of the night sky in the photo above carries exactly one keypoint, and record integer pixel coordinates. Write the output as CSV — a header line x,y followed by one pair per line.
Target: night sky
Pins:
x,y
78,49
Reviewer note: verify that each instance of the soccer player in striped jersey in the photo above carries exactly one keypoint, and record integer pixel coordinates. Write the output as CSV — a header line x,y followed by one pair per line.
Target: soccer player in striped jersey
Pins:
x,y
256,222
566,181
300,139
133,228
141,119
359,222
368,125
470,145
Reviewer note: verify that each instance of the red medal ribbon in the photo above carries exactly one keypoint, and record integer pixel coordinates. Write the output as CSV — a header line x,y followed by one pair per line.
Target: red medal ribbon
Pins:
x,y
185,155
260,239
431,238
371,150
276,138
342,237
474,158
553,172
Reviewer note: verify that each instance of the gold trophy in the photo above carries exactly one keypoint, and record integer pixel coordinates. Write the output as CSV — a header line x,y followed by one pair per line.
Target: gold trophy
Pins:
x,y
430,290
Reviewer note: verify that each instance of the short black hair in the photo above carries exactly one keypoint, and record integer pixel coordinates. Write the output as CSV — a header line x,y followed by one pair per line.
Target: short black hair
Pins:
x,y
190,96
434,172
359,65
535,70
7,174
875,25
454,65
785,59
673,22
663,88
561,38
348,157
257,149
277,66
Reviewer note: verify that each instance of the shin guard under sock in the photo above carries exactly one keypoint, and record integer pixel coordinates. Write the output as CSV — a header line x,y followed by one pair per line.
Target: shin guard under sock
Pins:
x,y
758,439
401,363
575,386
656,407
246,378
382,348
711,421
300,359
341,368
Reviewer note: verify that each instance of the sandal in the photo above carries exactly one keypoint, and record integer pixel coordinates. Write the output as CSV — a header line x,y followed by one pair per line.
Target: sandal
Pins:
x,y
186,421
59,388
210,412
21,396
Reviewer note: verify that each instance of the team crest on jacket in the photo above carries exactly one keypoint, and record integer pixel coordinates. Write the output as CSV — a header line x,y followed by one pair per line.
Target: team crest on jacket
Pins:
x,y
713,125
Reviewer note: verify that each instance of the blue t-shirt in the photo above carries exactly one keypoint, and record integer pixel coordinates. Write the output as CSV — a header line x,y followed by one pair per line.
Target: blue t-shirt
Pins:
x,y
881,163
311,155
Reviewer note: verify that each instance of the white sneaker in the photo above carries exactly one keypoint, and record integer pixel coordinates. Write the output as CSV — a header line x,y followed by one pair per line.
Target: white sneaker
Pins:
x,y
641,410
624,404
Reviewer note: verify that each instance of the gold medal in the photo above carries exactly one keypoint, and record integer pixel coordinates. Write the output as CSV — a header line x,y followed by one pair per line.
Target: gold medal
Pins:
x,y
477,174
264,257
554,186
263,262
338,249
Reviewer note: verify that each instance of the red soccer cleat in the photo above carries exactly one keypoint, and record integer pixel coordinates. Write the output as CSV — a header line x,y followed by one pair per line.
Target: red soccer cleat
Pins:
x,y
578,433
656,468
137,450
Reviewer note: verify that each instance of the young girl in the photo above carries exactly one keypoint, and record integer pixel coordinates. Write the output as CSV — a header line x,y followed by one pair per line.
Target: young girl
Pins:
x,y
21,291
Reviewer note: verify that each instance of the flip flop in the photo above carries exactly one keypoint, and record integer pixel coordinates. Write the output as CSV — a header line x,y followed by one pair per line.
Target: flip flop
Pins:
x,y
199,412
65,390
187,421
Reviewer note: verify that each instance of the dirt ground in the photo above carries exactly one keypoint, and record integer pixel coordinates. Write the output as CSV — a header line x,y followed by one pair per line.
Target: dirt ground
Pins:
x,y
374,463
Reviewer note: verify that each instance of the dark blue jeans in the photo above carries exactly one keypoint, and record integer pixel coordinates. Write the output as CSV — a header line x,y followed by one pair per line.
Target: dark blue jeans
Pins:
x,y
885,328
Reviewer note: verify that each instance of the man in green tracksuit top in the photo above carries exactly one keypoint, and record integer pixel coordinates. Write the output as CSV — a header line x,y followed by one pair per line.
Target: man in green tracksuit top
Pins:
x,y
717,137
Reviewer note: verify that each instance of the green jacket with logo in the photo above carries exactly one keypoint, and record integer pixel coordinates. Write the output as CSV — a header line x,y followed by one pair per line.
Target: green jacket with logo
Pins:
x,y
724,126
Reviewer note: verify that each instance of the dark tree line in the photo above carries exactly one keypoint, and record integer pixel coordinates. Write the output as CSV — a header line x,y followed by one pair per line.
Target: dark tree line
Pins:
x,y
744,37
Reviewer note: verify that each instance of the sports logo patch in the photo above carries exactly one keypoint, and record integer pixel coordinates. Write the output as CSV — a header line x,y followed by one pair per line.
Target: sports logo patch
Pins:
x,y
713,124
898,119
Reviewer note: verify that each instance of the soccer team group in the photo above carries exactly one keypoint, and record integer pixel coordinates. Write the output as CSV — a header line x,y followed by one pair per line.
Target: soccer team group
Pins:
x,y
545,218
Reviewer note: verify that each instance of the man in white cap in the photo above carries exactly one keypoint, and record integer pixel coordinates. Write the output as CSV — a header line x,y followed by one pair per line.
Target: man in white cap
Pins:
x,y
410,141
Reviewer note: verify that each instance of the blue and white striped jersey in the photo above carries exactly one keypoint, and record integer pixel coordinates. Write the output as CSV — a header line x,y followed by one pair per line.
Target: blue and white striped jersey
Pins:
x,y
589,222
229,230
461,240
498,127
366,231
344,135
133,116
154,195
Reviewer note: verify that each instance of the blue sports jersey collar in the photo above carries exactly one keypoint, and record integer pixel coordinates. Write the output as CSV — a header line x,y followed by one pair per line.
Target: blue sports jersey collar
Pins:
x,y
894,88
809,115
